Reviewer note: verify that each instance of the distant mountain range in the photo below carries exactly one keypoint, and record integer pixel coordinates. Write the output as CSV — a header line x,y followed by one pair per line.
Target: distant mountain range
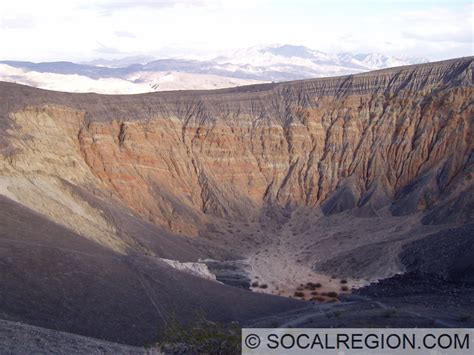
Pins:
x,y
143,74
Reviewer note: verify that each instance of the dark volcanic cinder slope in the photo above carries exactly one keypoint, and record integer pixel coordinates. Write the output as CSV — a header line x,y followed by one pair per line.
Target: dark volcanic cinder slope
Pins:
x,y
56,279
331,176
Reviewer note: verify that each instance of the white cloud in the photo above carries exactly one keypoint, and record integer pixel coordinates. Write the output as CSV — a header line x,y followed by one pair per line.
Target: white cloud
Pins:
x,y
124,34
77,30
109,7
16,22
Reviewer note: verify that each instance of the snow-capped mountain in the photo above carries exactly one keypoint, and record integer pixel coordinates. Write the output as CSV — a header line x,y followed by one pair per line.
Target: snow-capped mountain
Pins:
x,y
120,62
288,62
375,61
247,66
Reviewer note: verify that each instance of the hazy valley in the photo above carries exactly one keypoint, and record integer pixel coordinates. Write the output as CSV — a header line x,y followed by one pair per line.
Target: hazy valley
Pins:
x,y
142,74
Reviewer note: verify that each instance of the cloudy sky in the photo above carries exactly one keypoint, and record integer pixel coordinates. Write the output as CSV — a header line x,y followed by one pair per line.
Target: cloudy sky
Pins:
x,y
78,30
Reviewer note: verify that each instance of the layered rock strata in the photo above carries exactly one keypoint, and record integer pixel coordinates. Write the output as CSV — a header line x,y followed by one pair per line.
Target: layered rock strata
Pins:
x,y
179,159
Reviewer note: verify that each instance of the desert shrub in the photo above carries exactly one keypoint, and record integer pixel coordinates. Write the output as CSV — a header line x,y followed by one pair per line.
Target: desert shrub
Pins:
x,y
300,288
343,281
332,294
200,336
344,288
255,284
299,294
313,286
263,286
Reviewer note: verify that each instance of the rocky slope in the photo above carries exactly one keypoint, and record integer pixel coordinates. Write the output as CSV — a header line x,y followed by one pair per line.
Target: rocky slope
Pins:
x,y
328,176
54,278
18,338
363,140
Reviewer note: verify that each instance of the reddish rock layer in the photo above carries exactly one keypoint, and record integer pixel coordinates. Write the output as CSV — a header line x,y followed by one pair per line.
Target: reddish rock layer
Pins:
x,y
182,158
